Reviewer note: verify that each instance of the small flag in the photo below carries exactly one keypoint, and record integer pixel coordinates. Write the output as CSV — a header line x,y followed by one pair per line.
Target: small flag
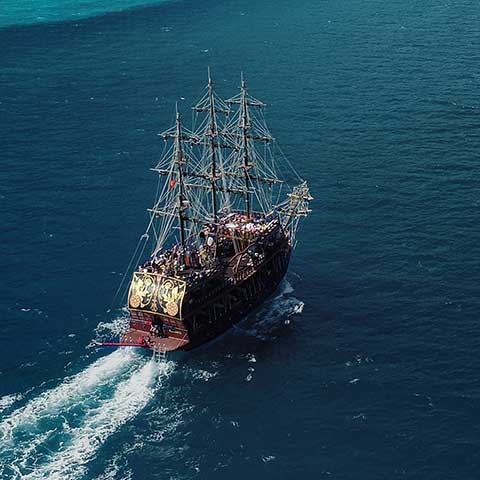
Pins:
x,y
172,183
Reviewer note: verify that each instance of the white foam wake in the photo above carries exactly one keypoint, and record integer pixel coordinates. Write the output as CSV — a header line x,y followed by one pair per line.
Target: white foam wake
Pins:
x,y
129,398
113,328
285,288
68,394
277,313
8,400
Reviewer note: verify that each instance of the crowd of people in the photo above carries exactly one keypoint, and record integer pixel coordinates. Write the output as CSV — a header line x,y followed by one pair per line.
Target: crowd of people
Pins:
x,y
193,261
176,259
241,227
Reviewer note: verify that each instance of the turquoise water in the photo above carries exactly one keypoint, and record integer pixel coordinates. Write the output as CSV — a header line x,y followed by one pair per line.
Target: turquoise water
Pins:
x,y
24,12
364,366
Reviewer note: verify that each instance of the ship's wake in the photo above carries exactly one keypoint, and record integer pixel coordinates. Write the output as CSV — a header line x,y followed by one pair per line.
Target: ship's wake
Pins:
x,y
56,434
272,318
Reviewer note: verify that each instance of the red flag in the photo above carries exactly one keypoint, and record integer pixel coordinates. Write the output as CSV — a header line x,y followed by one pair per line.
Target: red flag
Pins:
x,y
172,183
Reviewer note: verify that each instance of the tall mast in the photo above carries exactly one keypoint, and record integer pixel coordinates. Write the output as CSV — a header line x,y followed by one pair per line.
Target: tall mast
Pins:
x,y
244,124
212,134
211,104
244,130
179,165
179,160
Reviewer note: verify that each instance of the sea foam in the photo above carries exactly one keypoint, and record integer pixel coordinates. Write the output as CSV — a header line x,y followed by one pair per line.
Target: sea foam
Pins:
x,y
69,392
129,399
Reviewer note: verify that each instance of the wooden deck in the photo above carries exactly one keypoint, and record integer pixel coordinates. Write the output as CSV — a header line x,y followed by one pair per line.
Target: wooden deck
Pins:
x,y
166,344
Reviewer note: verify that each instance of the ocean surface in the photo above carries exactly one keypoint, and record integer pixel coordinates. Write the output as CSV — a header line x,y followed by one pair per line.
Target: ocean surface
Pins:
x,y
365,365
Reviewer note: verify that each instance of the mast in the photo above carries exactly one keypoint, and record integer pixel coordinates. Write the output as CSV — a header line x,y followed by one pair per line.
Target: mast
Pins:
x,y
187,173
246,129
244,124
179,162
177,200
208,136
212,134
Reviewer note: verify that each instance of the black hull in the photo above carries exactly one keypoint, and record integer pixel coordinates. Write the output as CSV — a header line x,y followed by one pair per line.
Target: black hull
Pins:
x,y
249,293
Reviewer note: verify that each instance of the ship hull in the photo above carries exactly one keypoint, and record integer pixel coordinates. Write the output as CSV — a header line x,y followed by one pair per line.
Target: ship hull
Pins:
x,y
214,307
252,292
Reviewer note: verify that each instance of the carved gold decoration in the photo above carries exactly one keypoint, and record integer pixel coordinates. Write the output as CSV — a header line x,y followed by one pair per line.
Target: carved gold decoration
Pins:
x,y
172,309
135,301
155,293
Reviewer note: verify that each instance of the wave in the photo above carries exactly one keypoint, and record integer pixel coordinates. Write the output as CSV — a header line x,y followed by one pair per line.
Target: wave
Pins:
x,y
129,399
8,400
17,13
58,432
114,328
274,315
77,387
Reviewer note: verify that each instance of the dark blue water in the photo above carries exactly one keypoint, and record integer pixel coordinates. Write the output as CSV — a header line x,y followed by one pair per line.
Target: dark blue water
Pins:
x,y
365,365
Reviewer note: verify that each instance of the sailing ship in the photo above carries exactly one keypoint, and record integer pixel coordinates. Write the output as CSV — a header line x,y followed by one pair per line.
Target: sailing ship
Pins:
x,y
220,237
